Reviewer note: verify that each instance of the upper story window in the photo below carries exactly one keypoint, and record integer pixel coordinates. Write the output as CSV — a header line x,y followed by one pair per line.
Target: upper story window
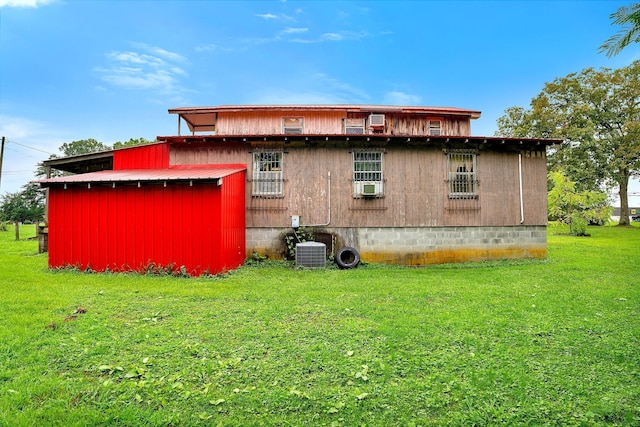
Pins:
x,y
367,174
435,127
353,126
268,177
462,175
293,125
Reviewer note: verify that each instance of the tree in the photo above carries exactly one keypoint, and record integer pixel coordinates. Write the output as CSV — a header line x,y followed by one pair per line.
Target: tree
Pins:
x,y
74,148
27,204
576,208
597,114
83,146
629,17
132,142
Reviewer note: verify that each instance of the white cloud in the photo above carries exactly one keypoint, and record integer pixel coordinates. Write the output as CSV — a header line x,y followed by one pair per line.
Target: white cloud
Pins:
x,y
332,36
266,16
294,30
400,98
152,68
24,3
271,16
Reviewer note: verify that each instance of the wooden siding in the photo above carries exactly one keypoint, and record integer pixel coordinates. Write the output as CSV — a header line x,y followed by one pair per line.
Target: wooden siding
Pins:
x,y
415,187
270,122
330,123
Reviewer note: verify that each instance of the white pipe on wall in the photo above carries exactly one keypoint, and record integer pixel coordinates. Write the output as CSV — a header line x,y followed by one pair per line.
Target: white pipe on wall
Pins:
x,y
520,181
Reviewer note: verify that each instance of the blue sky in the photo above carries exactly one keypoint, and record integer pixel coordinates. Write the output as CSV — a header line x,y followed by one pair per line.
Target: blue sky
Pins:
x,y
110,70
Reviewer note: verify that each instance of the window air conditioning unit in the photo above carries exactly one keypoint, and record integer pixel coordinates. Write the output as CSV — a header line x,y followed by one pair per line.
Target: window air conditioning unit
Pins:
x,y
376,120
368,188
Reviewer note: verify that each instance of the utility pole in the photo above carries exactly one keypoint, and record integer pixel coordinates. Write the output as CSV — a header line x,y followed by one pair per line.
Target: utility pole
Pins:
x,y
1,156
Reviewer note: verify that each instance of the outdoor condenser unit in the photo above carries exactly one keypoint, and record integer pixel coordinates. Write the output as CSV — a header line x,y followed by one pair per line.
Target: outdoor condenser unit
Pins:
x,y
311,254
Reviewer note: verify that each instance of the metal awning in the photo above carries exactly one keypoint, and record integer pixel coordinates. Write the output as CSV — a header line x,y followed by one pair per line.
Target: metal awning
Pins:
x,y
213,174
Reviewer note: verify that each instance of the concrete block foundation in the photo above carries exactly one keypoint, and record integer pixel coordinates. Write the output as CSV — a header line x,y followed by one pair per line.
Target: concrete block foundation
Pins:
x,y
416,245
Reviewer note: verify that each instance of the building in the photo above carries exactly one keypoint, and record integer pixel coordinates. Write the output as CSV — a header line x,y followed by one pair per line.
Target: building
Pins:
x,y
403,185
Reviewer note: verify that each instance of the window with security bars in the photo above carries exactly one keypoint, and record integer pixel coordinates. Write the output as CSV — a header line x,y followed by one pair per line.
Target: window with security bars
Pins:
x,y
367,166
462,175
367,174
267,173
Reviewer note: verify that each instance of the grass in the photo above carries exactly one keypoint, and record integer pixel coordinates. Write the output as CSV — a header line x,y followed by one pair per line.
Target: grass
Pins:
x,y
553,342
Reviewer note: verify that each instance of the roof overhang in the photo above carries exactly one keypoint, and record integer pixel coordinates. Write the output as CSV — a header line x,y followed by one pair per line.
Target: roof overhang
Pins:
x,y
82,163
212,174
364,139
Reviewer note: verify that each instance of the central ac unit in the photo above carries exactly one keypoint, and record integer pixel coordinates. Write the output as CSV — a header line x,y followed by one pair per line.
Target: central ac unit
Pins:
x,y
311,254
376,120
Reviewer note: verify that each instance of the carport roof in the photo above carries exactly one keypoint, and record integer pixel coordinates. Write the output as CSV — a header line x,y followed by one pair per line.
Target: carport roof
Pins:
x,y
147,175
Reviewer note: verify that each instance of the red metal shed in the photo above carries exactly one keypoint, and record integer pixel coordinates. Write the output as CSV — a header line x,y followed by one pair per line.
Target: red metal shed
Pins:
x,y
142,216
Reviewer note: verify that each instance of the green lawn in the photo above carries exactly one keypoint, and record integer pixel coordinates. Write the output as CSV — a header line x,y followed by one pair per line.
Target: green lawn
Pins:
x,y
553,342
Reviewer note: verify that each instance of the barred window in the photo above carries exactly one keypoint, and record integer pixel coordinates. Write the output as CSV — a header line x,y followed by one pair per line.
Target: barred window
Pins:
x,y
267,173
367,166
462,175
367,174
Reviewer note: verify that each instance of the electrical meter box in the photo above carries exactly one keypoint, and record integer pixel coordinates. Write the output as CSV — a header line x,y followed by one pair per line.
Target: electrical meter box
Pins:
x,y
295,221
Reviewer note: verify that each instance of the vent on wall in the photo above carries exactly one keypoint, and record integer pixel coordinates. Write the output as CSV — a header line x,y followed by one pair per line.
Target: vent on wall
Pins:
x,y
311,254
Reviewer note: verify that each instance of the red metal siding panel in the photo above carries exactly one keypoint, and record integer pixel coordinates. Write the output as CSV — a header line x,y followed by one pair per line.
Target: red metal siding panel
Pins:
x,y
153,156
126,227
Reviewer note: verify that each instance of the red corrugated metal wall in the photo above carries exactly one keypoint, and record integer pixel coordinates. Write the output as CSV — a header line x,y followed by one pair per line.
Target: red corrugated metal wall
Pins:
x,y
152,156
200,227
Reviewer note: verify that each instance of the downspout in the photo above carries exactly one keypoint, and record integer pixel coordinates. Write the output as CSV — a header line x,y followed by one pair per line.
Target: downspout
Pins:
x,y
329,202
520,181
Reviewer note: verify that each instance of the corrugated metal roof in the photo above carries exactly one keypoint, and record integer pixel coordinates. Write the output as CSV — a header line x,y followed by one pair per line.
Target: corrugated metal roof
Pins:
x,y
146,175
474,114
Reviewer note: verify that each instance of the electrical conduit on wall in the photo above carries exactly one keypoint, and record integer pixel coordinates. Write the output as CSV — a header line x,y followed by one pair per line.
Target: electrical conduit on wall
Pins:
x,y
520,182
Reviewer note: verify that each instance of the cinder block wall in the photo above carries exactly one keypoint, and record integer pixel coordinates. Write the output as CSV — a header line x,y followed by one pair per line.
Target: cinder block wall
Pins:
x,y
419,245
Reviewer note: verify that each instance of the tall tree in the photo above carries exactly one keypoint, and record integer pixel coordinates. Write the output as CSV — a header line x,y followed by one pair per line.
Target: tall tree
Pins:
x,y
597,114
83,146
629,18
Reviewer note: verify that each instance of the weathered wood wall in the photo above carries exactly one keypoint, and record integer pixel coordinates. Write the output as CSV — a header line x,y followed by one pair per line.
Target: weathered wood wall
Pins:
x,y
330,123
415,187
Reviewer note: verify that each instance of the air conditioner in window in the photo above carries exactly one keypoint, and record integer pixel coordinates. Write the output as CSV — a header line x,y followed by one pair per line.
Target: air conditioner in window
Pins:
x,y
368,188
376,120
